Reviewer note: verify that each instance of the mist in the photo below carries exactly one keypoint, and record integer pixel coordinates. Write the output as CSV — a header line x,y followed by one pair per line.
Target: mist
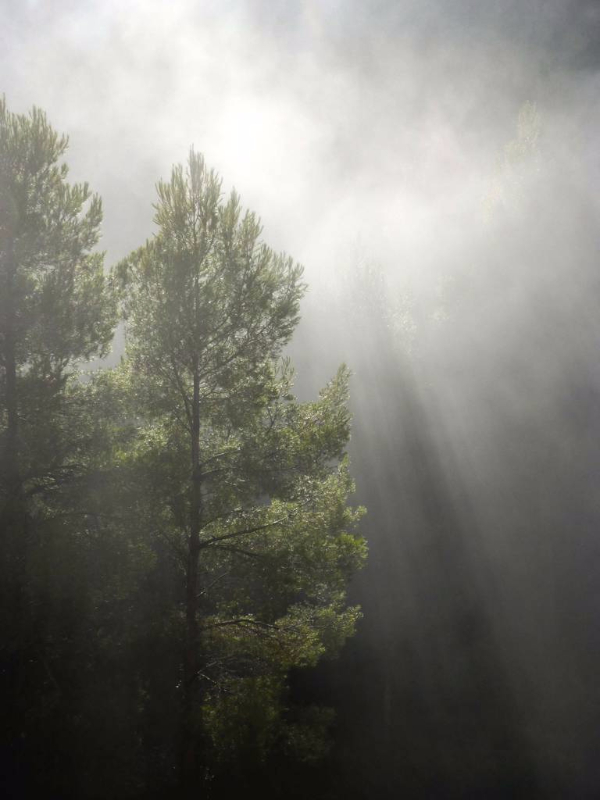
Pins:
x,y
434,167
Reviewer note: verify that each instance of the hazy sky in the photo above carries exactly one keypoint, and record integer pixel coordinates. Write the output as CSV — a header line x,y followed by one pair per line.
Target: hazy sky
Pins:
x,y
339,122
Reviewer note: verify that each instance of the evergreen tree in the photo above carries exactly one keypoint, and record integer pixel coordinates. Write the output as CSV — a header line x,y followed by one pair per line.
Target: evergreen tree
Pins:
x,y
240,478
54,308
55,312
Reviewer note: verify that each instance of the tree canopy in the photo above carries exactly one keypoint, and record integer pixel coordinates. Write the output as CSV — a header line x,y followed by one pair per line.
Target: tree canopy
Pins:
x,y
177,527
242,476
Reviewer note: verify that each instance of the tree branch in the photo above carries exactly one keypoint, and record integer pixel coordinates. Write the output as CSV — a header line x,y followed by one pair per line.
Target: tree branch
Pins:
x,y
247,531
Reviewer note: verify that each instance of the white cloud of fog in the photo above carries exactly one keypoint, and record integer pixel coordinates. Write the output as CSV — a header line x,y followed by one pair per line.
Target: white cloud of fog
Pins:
x,y
333,119
343,124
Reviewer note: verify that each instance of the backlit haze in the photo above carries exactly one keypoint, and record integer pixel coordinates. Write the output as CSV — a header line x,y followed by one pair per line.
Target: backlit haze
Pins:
x,y
434,165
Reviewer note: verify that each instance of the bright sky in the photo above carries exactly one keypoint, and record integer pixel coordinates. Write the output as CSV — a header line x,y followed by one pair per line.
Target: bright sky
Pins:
x,y
339,122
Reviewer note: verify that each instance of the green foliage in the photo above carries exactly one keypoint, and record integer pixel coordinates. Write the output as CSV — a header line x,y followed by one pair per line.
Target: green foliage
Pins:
x,y
223,445
55,308
252,720
206,291
176,535
62,578
49,229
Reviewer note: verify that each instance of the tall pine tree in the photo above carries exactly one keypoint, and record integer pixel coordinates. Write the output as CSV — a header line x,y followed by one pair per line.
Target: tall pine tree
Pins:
x,y
243,481
55,312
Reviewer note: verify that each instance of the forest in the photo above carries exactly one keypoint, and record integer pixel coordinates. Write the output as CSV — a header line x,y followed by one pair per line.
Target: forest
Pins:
x,y
177,527
320,528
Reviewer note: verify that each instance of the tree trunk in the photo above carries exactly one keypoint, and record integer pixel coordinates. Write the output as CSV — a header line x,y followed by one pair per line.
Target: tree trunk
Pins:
x,y
190,766
10,471
13,520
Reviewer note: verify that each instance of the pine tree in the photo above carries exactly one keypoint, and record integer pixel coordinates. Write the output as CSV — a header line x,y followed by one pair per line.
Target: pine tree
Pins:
x,y
241,479
54,307
55,312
